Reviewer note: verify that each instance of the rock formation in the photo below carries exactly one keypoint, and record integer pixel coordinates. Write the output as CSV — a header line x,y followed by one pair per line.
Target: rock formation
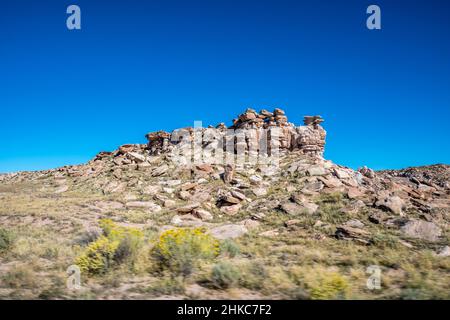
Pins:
x,y
250,132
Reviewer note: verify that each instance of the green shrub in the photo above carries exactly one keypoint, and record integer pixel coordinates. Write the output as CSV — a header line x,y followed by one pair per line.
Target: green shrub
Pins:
x,y
254,274
383,240
180,250
224,275
330,205
229,248
6,239
330,285
115,246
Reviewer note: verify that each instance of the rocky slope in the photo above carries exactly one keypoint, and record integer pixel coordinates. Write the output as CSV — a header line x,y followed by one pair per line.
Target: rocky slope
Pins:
x,y
295,223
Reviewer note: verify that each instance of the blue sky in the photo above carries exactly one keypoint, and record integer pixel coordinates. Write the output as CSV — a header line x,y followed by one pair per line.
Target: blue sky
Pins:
x,y
140,66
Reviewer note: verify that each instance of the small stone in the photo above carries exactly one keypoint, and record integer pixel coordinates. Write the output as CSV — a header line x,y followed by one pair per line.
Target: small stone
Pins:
x,y
231,210
350,233
259,192
354,223
184,195
316,171
202,214
444,252
159,171
136,157
230,199
188,208
238,195
169,203
255,179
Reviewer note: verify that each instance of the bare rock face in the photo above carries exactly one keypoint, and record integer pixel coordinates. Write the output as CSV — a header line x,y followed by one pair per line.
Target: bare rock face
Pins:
x,y
249,129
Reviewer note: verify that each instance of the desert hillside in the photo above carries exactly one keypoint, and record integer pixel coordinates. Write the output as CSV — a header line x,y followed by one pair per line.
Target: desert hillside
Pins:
x,y
140,222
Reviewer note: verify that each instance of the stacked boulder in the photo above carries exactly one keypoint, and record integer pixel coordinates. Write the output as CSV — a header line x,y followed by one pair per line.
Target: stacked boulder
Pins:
x,y
251,132
158,142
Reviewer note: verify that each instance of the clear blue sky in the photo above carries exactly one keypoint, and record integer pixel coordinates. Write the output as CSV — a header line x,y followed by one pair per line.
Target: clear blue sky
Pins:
x,y
139,66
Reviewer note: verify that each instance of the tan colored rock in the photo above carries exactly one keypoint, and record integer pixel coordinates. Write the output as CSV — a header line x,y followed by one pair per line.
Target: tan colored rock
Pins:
x,y
228,173
143,204
422,230
351,233
188,208
392,203
228,231
230,210
202,214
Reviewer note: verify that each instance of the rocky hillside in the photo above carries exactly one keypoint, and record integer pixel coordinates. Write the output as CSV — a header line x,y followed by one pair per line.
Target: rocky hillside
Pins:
x,y
299,227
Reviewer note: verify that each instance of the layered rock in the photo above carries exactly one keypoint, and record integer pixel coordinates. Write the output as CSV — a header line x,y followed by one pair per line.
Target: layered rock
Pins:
x,y
251,133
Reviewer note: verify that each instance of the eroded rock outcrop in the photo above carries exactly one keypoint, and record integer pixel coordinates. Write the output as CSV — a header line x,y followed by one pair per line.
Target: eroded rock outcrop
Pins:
x,y
251,132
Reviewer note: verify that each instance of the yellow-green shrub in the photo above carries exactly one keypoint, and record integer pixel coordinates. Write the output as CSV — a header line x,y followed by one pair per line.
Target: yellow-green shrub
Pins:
x,y
6,239
321,283
329,285
180,250
98,256
116,245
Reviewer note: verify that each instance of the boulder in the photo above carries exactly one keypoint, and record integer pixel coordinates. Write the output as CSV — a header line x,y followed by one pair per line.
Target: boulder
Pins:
x,y
228,231
202,214
392,203
188,208
316,171
421,230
